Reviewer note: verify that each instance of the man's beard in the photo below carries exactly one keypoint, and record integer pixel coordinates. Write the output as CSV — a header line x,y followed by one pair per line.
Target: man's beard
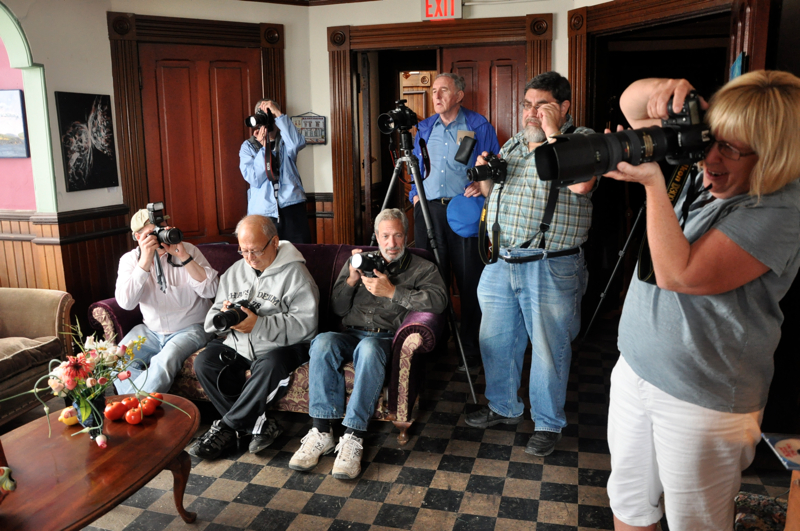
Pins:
x,y
399,250
533,134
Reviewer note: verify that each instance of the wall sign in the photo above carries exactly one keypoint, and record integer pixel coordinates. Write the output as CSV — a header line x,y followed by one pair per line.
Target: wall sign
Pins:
x,y
311,126
441,9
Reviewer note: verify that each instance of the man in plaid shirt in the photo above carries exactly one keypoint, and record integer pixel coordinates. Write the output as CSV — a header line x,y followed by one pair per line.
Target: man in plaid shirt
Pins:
x,y
534,290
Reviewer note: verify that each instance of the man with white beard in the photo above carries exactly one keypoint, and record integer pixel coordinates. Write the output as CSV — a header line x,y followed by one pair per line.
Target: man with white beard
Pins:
x,y
534,290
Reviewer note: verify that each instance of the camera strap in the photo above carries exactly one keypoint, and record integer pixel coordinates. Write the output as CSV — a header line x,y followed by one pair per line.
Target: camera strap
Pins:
x,y
680,175
426,160
490,251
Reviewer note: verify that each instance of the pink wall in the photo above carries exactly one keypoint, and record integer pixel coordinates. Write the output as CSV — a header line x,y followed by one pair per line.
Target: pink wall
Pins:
x,y
16,175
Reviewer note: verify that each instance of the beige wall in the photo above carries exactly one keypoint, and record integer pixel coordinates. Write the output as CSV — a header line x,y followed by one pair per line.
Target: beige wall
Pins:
x,y
71,40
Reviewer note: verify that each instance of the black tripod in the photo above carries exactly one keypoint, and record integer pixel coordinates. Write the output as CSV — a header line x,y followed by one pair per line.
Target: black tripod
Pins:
x,y
412,165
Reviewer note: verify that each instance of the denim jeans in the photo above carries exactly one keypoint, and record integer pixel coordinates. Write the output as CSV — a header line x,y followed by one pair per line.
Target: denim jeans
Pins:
x,y
539,301
164,356
369,352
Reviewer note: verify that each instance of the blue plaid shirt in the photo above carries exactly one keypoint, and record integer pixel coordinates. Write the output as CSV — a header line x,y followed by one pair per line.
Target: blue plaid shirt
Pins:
x,y
524,198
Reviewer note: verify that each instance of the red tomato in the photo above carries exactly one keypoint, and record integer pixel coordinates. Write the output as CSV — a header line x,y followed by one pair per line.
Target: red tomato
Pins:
x,y
149,406
115,410
158,397
134,416
130,402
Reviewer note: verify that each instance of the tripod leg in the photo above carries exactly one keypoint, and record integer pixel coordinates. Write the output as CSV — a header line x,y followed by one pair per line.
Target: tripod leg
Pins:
x,y
395,176
413,167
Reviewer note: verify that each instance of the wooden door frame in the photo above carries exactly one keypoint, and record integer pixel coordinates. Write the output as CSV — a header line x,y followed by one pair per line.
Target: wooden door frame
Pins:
x,y
612,17
536,31
127,30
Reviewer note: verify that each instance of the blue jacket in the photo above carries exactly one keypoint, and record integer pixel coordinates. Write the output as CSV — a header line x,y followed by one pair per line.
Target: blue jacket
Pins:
x,y
485,136
261,195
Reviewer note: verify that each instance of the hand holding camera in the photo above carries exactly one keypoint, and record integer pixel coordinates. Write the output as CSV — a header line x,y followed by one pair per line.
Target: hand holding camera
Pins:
x,y
237,315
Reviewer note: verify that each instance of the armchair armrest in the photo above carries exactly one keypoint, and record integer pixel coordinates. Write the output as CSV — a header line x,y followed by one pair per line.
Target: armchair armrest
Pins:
x,y
418,334
108,317
34,313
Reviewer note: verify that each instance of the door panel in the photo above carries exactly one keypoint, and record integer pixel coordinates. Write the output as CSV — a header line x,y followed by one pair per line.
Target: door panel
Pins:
x,y
495,79
194,101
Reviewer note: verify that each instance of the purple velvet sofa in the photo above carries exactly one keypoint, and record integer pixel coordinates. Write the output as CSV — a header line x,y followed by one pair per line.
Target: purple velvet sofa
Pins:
x,y
418,335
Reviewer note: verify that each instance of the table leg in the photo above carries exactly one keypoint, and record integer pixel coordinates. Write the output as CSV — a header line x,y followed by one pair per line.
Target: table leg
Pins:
x,y
181,466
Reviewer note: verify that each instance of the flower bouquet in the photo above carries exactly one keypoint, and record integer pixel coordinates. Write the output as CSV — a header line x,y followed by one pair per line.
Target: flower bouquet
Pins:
x,y
83,380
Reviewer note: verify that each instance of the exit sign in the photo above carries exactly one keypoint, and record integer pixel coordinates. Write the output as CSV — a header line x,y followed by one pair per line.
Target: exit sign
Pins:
x,y
441,9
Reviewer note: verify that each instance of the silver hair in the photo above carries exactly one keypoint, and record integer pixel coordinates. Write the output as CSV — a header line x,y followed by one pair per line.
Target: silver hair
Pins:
x,y
457,80
266,224
390,214
275,103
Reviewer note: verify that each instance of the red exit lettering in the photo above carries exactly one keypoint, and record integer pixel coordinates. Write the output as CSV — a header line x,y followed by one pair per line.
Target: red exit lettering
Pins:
x,y
440,9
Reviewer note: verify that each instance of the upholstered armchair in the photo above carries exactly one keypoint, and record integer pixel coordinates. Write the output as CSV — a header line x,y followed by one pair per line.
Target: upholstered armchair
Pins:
x,y
418,336
34,326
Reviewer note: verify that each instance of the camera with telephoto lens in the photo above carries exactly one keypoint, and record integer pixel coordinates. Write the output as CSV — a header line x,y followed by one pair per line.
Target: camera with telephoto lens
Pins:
x,y
155,214
575,158
401,117
367,262
232,316
261,119
494,169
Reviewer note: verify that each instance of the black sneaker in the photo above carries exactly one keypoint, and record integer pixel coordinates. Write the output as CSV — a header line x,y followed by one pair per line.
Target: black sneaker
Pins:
x,y
217,440
542,443
473,362
485,417
271,431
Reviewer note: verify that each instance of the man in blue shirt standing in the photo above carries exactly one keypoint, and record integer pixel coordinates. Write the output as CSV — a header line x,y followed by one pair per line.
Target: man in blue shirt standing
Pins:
x,y
279,196
443,133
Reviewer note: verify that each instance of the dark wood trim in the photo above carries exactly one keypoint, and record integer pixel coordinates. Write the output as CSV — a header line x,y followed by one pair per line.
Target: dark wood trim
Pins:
x,y
16,215
126,31
320,197
621,15
85,237
536,31
328,215
749,28
79,215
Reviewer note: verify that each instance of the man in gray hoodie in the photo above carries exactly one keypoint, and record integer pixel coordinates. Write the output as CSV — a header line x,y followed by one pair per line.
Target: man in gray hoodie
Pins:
x,y
271,340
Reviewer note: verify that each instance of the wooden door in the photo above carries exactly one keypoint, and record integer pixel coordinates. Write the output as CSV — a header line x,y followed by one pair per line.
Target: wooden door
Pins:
x,y
194,101
495,83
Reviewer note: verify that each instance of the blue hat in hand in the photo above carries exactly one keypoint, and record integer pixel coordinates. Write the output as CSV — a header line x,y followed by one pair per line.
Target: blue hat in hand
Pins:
x,y
464,215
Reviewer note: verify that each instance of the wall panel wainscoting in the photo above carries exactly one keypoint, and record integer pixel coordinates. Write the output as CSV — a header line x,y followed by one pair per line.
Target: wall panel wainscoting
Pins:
x,y
77,252
320,214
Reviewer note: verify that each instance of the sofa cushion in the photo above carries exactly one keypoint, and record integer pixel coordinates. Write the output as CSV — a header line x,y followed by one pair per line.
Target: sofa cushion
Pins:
x,y
18,354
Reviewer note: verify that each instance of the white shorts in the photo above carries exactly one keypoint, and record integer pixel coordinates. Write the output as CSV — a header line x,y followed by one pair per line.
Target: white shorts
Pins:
x,y
694,455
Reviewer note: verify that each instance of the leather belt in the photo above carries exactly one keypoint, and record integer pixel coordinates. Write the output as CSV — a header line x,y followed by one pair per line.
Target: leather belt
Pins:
x,y
442,200
535,257
373,330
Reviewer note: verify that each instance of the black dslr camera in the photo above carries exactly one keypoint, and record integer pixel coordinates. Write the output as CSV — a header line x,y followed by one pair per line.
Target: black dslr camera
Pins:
x,y
155,214
367,262
494,169
232,316
401,117
261,119
576,158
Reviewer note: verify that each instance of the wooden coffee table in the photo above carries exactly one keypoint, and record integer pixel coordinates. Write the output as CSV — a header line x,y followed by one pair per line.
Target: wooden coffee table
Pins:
x,y
66,482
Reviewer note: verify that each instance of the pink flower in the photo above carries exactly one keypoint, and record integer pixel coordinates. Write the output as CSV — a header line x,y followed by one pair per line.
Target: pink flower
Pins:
x,y
102,380
124,375
121,350
102,441
92,353
71,383
55,385
91,382
78,367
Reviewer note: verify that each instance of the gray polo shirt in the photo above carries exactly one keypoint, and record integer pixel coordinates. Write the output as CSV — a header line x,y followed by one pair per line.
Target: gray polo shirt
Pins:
x,y
716,351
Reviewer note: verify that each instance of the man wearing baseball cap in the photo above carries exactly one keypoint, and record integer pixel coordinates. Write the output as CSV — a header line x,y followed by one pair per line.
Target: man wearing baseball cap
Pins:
x,y
173,312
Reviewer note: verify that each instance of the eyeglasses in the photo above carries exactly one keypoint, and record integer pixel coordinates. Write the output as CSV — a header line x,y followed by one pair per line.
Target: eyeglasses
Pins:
x,y
527,106
728,151
255,254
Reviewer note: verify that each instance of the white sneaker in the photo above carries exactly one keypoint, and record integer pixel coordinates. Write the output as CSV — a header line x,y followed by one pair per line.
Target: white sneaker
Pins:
x,y
313,445
348,460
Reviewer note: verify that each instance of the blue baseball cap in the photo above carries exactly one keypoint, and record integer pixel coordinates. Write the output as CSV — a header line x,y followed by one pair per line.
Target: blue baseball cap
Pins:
x,y
464,215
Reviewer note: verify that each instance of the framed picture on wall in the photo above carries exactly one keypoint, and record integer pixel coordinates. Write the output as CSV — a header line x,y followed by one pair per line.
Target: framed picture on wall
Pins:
x,y
87,140
13,126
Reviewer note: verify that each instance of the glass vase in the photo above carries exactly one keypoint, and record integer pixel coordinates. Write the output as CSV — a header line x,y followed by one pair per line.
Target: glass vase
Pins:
x,y
91,417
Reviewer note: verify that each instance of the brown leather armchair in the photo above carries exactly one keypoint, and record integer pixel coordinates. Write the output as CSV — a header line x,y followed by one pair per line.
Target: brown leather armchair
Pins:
x,y
33,327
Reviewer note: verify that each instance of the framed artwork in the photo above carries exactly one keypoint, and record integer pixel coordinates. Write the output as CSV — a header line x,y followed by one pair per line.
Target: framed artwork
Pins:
x,y
87,140
311,126
13,126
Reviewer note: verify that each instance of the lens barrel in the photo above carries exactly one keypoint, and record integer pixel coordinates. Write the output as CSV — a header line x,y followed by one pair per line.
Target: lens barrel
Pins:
x,y
230,317
169,236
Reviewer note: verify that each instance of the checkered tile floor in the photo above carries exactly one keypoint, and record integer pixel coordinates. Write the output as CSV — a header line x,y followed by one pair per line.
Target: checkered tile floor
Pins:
x,y
448,476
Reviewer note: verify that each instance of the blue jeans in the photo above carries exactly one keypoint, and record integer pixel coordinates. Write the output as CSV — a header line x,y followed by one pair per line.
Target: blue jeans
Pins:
x,y
164,356
326,386
540,301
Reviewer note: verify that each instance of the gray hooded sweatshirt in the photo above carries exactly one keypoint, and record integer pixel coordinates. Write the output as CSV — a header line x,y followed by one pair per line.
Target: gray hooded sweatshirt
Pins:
x,y
286,298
